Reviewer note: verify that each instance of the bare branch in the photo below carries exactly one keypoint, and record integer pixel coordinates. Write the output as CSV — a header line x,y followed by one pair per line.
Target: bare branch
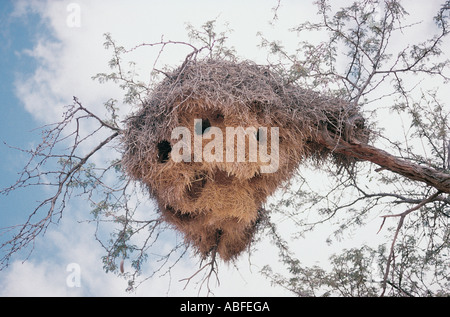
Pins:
x,y
399,226
426,174
64,180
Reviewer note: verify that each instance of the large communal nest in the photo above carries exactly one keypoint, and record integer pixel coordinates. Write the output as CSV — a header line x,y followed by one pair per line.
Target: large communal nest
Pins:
x,y
215,203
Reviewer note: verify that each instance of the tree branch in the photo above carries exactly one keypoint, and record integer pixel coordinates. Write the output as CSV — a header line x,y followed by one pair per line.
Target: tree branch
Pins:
x,y
361,151
399,226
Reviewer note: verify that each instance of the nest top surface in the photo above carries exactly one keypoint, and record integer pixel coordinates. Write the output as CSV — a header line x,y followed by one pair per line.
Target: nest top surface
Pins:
x,y
241,89
220,83
244,89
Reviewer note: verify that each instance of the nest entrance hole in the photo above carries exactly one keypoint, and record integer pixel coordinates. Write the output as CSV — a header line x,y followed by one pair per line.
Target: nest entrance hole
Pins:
x,y
182,216
200,128
164,149
196,187
208,121
194,190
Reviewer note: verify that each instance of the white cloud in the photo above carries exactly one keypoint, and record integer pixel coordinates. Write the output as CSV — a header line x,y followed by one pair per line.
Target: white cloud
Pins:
x,y
30,279
68,56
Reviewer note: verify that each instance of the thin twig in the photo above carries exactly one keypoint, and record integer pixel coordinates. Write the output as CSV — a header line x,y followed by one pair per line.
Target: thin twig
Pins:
x,y
399,226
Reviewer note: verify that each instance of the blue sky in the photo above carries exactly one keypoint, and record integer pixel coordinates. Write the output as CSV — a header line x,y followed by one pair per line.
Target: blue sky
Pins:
x,y
16,122
45,61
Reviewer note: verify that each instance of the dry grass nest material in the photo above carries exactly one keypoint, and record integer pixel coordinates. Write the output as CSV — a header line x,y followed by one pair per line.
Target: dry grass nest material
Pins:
x,y
218,205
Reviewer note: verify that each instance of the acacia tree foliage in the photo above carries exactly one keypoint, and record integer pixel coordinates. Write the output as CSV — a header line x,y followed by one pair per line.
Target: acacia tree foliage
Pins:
x,y
404,180
415,261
